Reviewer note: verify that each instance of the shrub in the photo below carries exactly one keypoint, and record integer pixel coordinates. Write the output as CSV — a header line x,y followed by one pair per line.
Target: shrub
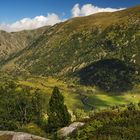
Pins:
x,y
32,129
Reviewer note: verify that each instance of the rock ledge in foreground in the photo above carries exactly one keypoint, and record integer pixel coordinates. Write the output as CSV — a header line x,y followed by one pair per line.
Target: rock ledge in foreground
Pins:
x,y
10,135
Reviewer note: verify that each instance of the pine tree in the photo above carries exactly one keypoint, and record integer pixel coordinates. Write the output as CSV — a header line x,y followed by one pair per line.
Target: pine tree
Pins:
x,y
58,113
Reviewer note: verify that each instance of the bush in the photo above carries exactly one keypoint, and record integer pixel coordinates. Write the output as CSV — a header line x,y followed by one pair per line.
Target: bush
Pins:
x,y
80,114
32,129
111,124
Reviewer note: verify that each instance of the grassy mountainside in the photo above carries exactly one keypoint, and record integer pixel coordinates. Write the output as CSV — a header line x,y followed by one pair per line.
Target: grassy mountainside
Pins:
x,y
68,48
76,43
101,51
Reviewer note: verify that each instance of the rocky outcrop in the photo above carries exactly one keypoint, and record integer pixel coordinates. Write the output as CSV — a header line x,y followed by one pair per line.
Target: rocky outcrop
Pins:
x,y
66,131
9,135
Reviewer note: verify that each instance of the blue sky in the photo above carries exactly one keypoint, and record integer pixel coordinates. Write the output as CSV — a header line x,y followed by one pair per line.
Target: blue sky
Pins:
x,y
12,10
15,10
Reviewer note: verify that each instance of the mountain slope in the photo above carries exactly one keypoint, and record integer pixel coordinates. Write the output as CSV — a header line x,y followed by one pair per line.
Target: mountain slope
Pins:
x,y
14,42
69,46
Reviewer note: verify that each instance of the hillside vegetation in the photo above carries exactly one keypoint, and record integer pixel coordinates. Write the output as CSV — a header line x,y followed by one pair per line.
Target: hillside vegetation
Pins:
x,y
94,62
11,43
115,124
69,46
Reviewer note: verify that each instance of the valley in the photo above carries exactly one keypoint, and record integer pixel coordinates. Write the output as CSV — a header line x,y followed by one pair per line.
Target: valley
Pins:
x,y
89,66
82,97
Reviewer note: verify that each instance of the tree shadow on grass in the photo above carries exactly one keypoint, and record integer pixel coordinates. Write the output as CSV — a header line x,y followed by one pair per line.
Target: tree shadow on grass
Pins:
x,y
97,102
93,102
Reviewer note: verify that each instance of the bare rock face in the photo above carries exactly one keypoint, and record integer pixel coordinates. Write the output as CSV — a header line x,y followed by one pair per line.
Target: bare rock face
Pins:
x,y
64,132
8,135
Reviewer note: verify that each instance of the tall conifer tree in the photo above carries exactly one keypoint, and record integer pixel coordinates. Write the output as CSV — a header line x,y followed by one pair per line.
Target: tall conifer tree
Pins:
x,y
58,113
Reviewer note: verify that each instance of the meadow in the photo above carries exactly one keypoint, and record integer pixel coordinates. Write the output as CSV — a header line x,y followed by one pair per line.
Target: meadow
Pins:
x,y
82,97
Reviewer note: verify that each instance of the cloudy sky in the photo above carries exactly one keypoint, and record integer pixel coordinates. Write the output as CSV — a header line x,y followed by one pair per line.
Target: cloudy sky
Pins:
x,y
16,15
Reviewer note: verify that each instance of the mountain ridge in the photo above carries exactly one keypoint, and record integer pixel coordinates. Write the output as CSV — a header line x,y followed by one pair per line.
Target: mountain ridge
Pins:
x,y
13,42
86,39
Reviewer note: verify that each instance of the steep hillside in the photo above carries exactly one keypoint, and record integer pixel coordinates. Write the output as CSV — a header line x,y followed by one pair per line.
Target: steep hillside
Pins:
x,y
14,42
69,46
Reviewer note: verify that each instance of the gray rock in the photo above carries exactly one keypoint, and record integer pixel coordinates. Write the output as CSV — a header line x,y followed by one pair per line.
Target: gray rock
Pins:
x,y
68,130
19,136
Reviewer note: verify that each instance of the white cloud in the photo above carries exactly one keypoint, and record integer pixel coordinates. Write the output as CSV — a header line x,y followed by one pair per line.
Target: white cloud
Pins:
x,y
51,19
89,9
76,11
31,23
